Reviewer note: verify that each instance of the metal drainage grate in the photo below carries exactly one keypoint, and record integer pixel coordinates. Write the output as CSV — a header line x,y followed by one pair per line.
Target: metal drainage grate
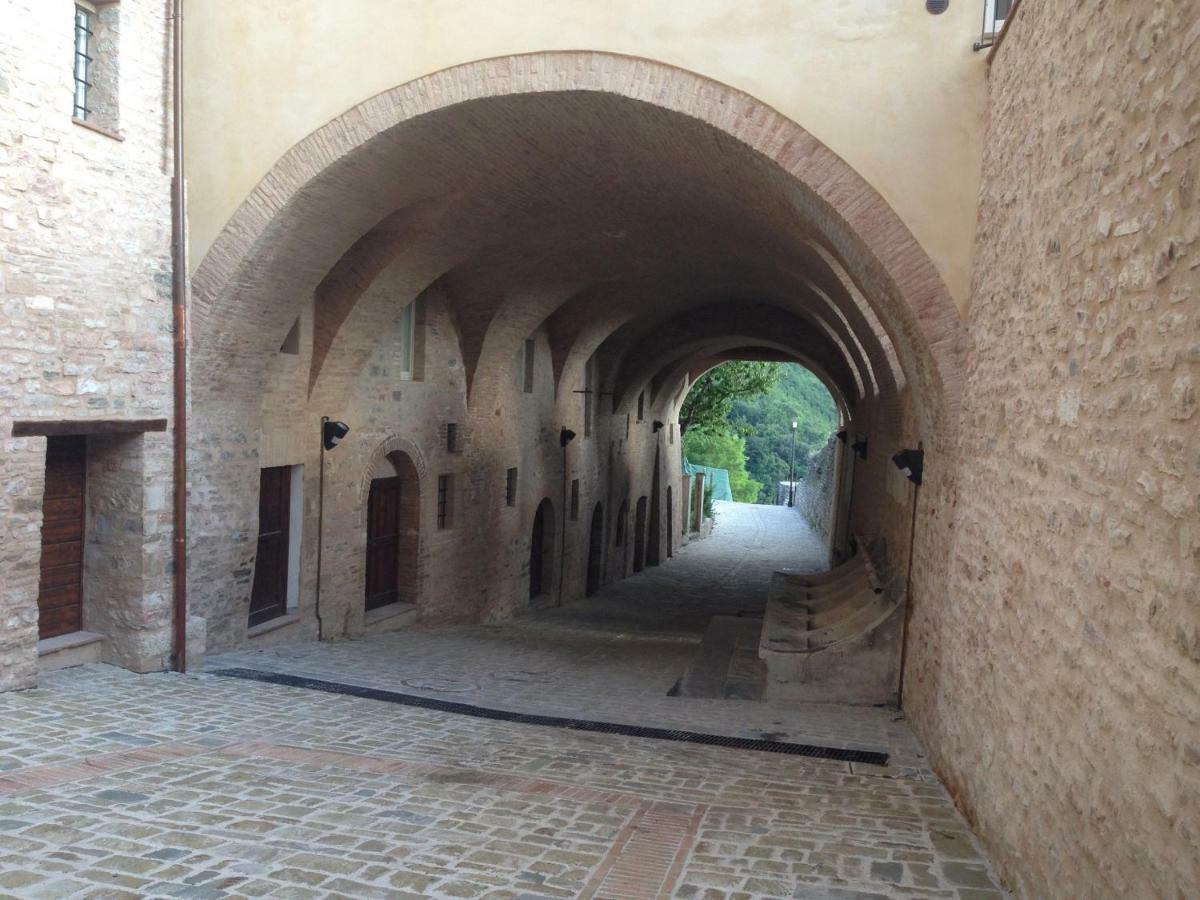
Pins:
x,y
838,754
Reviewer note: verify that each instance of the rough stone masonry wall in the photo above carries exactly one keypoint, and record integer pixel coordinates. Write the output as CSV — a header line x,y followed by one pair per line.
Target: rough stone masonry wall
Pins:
x,y
85,311
1056,679
814,494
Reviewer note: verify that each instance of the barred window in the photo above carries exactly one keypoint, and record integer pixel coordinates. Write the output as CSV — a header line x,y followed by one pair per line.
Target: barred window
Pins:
x,y
445,491
83,37
451,437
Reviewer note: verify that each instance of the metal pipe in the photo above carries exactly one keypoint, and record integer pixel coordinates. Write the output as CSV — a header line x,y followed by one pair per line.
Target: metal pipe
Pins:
x,y
908,599
320,530
179,285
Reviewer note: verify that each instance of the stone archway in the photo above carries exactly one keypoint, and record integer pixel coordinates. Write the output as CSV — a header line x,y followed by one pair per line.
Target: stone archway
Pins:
x,y
320,213
541,554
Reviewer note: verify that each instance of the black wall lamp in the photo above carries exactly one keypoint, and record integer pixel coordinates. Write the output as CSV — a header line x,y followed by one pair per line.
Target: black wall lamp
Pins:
x,y
658,426
332,433
860,447
911,463
565,437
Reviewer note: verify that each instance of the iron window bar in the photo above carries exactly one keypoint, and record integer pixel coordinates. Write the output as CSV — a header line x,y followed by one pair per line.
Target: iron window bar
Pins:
x,y
995,12
83,35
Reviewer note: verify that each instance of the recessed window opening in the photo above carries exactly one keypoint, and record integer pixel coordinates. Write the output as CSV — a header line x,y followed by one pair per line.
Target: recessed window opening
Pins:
x,y
83,61
641,406
452,437
529,359
510,487
574,499
408,340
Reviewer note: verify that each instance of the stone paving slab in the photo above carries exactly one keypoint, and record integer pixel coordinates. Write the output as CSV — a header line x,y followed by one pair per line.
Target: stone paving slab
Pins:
x,y
119,785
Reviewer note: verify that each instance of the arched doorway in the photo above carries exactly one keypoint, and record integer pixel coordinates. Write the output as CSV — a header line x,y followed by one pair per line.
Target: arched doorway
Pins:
x,y
595,563
541,551
393,533
639,535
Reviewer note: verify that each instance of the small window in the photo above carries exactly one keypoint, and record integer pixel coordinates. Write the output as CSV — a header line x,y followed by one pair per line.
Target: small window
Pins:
x,y
510,488
994,14
452,437
626,425
445,494
83,60
588,391
620,530
530,351
575,500
641,406
671,433
95,70
408,340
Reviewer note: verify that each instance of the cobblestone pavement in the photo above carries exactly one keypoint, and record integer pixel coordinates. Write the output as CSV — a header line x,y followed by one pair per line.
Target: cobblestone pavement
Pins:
x,y
119,785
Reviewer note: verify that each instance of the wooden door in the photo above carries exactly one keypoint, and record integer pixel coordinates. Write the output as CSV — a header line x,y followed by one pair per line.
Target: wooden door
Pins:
x,y
595,563
383,542
639,535
537,553
268,598
60,592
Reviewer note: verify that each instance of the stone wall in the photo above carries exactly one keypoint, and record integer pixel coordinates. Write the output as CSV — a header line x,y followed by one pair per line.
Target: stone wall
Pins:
x,y
815,492
1055,643
85,314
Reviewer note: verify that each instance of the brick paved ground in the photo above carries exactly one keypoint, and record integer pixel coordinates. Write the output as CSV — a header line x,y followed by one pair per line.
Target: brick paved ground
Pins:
x,y
119,785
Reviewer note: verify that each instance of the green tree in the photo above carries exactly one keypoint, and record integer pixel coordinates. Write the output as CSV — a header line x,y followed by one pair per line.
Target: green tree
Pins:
x,y
710,401
723,449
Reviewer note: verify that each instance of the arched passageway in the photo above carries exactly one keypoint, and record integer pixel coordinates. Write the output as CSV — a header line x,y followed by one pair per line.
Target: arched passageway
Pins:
x,y
624,227
541,552
595,560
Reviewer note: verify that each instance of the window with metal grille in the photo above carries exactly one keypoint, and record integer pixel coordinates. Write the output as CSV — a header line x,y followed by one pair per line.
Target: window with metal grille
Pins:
x,y
83,37
445,491
95,67
451,437
510,488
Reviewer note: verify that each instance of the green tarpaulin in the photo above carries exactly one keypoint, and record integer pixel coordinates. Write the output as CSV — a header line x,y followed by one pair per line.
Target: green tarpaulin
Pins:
x,y
716,480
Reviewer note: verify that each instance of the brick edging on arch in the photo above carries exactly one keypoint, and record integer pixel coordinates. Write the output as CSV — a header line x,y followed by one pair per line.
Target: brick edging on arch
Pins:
x,y
856,206
382,451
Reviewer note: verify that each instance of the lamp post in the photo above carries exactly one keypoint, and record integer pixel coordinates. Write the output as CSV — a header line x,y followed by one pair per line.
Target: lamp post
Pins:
x,y
792,468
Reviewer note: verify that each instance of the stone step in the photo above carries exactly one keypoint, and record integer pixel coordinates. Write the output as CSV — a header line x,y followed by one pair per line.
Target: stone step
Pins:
x,y
726,664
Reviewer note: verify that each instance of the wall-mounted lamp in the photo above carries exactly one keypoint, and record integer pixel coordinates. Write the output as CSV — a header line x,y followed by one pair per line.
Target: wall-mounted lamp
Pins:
x,y
333,432
911,463
658,426
841,435
860,448
565,437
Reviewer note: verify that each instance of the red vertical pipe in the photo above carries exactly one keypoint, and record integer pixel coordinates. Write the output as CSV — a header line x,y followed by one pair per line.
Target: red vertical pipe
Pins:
x,y
179,309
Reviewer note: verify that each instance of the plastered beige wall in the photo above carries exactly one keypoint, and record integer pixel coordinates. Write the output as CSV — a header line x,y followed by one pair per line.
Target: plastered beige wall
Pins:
x,y
895,91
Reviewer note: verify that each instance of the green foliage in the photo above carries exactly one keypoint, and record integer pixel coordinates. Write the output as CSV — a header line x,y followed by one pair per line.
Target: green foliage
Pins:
x,y
711,399
723,449
739,417
766,421
708,502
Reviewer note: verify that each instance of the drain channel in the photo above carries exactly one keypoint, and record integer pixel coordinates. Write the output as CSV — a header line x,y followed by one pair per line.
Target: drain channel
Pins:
x,y
837,754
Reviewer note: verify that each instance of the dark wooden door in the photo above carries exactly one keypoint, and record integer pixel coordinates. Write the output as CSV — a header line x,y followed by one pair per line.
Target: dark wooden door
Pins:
x,y
383,542
60,592
268,598
537,553
595,563
639,535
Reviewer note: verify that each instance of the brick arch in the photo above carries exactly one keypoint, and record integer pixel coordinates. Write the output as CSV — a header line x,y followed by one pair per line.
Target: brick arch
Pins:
x,y
385,450
861,230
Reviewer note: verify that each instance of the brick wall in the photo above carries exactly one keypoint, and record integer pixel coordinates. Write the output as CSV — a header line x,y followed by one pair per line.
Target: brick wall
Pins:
x,y
1055,660
85,312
